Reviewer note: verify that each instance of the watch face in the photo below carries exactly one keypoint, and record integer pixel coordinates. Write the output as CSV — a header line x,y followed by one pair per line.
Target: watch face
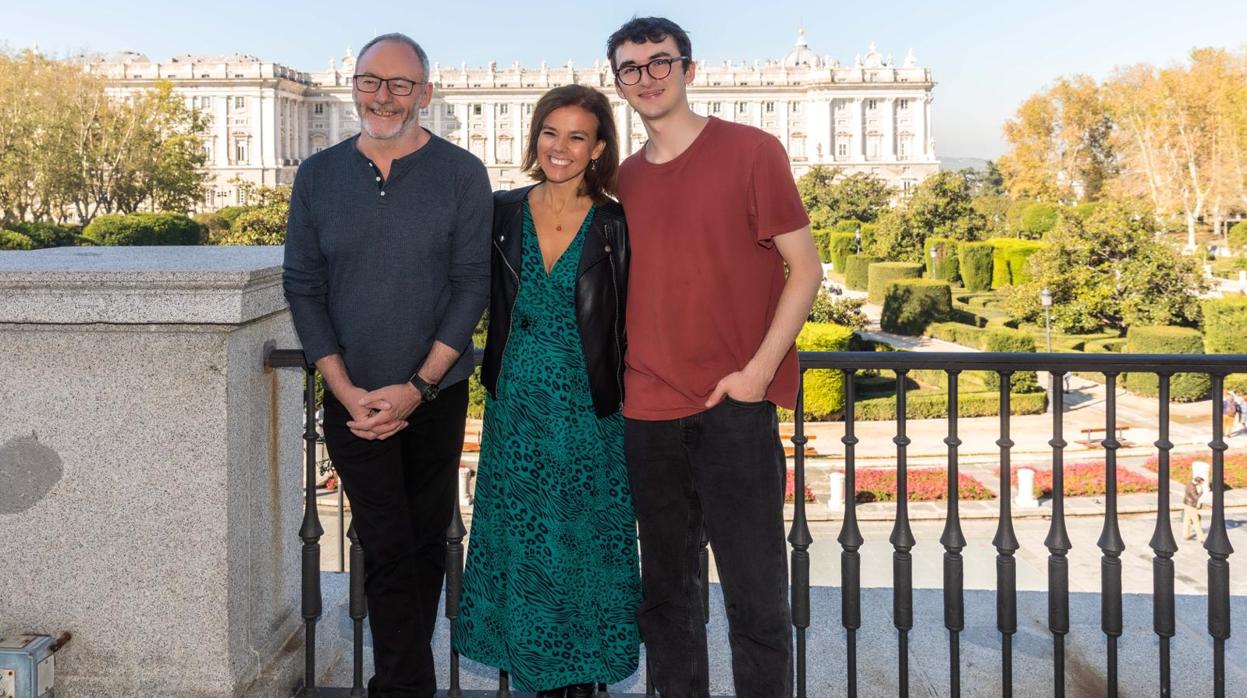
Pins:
x,y
431,392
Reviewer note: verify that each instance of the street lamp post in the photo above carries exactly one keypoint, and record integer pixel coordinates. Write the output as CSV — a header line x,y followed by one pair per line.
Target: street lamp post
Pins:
x,y
934,254
1045,299
857,236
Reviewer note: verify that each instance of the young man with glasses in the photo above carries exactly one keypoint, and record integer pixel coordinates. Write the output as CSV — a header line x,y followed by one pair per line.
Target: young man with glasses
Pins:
x,y
387,273
714,217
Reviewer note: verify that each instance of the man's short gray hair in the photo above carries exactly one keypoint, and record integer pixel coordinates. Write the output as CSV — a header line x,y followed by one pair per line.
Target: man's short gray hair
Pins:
x,y
402,39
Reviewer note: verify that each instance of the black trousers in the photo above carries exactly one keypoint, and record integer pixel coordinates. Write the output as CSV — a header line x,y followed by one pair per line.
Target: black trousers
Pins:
x,y
402,492
724,466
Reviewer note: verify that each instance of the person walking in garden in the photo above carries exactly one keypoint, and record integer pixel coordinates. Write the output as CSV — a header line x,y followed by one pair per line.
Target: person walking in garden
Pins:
x,y
714,218
1229,412
551,586
1191,503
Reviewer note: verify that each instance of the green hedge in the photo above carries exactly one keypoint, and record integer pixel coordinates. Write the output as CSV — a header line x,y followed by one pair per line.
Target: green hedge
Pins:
x,y
1228,267
1225,325
934,405
909,305
944,265
1237,236
13,240
822,243
841,246
823,390
881,274
1183,387
956,332
144,229
1009,257
44,234
1013,341
1037,218
857,271
975,262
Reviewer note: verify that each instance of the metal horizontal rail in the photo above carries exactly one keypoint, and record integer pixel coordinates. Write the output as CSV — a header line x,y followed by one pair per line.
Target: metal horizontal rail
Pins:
x,y
1215,364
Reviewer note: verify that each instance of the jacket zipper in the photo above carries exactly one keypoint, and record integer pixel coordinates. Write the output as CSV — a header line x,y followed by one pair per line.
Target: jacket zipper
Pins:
x,y
511,313
618,346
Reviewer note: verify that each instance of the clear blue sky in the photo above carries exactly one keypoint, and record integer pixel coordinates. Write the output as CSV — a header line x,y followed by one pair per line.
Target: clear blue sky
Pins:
x,y
986,56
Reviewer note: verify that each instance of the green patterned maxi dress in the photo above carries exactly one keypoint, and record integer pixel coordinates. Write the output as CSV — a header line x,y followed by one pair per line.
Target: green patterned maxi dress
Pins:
x,y
551,586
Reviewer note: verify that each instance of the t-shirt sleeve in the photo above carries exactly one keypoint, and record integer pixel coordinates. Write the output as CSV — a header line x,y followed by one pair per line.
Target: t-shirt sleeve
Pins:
x,y
775,205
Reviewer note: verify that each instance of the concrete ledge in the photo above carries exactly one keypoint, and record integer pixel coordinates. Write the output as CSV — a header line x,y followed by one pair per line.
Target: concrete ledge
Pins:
x,y
140,285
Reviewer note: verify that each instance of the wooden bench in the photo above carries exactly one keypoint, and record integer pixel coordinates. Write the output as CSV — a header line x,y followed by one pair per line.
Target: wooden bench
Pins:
x,y
790,450
1087,433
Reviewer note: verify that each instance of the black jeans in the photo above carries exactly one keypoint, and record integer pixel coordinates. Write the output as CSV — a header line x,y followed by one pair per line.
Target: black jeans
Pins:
x,y
402,492
724,466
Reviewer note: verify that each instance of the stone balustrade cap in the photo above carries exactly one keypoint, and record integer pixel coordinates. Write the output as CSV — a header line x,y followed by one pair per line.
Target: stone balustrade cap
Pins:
x,y
140,285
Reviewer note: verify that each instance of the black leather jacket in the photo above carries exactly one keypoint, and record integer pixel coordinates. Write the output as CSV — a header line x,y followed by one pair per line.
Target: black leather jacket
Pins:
x,y
601,292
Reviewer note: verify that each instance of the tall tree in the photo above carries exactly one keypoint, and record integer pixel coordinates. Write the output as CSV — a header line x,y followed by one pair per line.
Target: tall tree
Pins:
x,y
941,206
830,195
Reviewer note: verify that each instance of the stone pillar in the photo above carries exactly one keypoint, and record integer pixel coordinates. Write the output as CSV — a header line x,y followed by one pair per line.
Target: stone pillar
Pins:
x,y
150,469
1026,489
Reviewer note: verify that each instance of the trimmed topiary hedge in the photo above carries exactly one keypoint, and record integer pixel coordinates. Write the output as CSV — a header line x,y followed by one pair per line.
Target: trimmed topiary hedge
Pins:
x,y
881,274
841,245
13,240
44,234
822,243
935,405
1009,257
1225,325
1237,236
1183,387
857,271
823,390
975,265
1013,341
945,265
144,229
957,333
909,305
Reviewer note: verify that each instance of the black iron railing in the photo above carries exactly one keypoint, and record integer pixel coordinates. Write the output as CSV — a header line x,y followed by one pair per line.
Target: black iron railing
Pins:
x,y
902,539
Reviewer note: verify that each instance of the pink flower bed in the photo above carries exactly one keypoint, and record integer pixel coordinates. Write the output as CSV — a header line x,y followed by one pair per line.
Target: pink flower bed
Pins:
x,y
925,485
1086,480
1180,467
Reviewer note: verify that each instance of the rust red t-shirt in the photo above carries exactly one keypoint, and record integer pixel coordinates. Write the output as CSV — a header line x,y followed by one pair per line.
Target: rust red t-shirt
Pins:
x,y
705,277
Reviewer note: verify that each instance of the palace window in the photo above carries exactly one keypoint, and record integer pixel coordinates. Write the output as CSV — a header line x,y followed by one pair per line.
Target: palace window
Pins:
x,y
842,150
770,107
504,109
902,104
450,110
741,107
318,108
205,102
476,110
795,107
240,152
716,107
872,104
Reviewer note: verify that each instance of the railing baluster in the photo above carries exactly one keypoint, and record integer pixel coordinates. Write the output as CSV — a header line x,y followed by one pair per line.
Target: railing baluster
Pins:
x,y
342,537
310,532
454,590
504,685
954,542
1006,544
1110,541
1058,544
850,540
359,611
649,679
1218,545
800,539
1163,542
602,691
902,540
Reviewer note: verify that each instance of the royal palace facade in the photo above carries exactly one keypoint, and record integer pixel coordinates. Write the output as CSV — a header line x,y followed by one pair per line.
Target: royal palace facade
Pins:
x,y
869,116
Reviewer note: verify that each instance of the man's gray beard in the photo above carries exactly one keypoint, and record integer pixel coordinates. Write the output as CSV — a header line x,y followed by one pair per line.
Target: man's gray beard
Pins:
x,y
402,128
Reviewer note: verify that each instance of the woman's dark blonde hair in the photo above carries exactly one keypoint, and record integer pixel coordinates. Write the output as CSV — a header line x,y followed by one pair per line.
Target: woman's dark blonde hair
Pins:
x,y
600,177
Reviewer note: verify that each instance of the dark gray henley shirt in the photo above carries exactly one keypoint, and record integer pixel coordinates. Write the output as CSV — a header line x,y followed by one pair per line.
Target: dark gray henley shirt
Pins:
x,y
377,270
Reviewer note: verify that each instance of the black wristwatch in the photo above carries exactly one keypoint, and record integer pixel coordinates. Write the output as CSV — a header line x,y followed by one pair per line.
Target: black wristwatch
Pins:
x,y
428,391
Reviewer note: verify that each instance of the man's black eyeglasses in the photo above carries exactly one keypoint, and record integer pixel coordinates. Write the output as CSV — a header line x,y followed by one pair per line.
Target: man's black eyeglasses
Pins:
x,y
399,87
658,69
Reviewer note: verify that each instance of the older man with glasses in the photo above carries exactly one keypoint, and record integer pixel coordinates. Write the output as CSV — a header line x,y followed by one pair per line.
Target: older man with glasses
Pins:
x,y
387,273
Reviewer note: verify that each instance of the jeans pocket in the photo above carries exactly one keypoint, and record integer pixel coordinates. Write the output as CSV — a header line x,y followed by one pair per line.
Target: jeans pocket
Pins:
x,y
742,403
